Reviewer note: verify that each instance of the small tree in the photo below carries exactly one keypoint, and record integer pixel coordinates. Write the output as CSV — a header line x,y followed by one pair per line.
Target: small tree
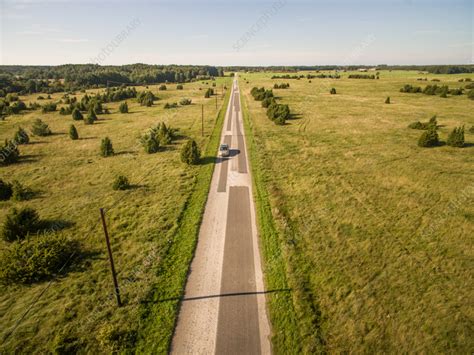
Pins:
x,y
91,117
162,87
190,153
456,137
179,87
6,190
387,100
106,148
39,128
333,91
73,133
150,142
20,223
9,153
429,138
21,137
77,115
121,183
123,108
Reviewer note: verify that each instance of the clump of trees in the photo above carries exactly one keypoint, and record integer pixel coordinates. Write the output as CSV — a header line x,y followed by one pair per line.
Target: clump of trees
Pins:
x,y
41,129
432,90
361,76
281,86
456,137
278,113
15,191
190,153
146,98
106,147
260,94
158,136
121,183
410,89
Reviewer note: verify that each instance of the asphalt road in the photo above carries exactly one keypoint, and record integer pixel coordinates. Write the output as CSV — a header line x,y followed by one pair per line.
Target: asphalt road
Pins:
x,y
223,310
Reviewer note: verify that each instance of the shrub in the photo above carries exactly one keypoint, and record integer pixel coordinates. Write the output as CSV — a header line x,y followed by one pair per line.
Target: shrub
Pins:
x,y
73,133
171,105
162,87
281,86
429,138
410,89
190,152
456,137
268,102
20,223
77,115
471,130
40,128
49,107
424,125
91,117
6,190
65,111
150,142
21,137
106,148
35,259
20,192
9,153
333,91
179,87
387,100
469,86
146,98
278,113
123,108
470,94
185,102
209,93
121,183
260,94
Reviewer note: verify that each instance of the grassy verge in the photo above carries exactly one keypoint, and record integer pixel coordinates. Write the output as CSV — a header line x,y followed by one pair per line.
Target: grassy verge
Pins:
x,y
288,307
159,313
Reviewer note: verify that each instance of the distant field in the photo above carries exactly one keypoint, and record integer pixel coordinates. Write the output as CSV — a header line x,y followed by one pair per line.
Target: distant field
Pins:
x,y
72,182
376,232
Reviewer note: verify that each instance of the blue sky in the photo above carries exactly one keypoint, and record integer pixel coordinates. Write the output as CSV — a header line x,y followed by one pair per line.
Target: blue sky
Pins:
x,y
218,32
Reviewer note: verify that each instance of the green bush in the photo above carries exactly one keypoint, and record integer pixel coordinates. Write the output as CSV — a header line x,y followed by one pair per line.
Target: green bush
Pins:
x,y
190,153
456,137
73,133
185,102
77,115
21,137
162,87
170,105
49,107
35,259
410,89
121,183
429,138
268,102
333,91
424,125
470,94
40,128
20,192
260,94
278,113
106,148
469,86
9,153
146,98
91,117
6,190
150,142
179,87
20,223
387,100
471,130
123,108
209,93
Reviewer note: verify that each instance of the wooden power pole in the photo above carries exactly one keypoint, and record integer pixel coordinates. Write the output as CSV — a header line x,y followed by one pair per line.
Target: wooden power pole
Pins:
x,y
111,259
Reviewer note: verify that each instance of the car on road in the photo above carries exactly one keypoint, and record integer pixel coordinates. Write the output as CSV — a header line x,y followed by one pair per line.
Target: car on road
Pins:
x,y
224,150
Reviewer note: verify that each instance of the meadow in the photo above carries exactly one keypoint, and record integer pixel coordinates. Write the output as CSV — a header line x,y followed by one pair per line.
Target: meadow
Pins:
x,y
375,232
153,225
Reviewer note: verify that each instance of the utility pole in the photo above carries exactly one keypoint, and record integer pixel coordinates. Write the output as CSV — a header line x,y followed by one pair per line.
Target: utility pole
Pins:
x,y
111,259
216,100
202,120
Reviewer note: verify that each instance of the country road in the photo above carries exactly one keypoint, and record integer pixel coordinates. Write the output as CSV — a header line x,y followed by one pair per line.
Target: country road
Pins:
x,y
223,310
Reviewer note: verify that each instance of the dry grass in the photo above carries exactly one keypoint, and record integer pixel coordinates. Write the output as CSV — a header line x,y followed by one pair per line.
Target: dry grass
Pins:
x,y
72,182
377,232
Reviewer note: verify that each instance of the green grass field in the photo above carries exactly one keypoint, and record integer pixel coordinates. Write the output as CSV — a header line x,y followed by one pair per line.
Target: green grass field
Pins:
x,y
147,223
376,232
